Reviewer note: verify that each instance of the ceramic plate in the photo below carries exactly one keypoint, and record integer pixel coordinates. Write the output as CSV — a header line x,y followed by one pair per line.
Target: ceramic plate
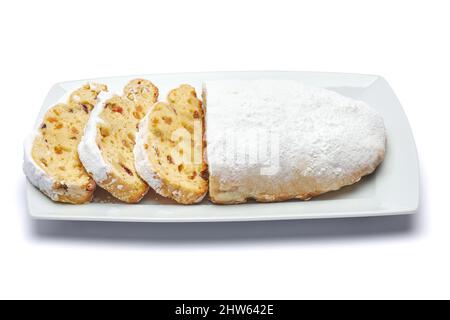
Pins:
x,y
393,189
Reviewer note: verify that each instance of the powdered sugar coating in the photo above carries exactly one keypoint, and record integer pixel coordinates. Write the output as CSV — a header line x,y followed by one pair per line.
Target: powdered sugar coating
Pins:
x,y
143,166
319,133
38,177
88,150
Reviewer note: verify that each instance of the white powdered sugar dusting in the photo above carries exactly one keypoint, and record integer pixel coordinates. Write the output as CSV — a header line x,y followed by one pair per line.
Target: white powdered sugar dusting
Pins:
x,y
88,150
285,127
38,177
143,166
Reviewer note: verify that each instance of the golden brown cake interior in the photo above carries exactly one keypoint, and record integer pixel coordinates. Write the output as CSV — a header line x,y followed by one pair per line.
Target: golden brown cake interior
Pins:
x,y
116,138
55,148
176,145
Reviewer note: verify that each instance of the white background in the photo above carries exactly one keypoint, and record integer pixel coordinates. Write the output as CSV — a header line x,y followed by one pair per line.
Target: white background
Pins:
x,y
407,42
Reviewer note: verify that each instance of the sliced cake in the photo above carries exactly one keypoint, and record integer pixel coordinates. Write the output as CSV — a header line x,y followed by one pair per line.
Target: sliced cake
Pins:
x,y
274,140
106,149
169,149
51,160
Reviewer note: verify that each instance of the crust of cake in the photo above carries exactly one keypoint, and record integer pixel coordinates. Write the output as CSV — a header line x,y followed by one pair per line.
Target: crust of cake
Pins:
x,y
109,138
54,144
303,189
188,185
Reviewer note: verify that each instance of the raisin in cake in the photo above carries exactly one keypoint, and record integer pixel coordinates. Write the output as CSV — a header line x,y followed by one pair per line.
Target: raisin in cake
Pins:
x,y
51,160
106,148
273,140
169,149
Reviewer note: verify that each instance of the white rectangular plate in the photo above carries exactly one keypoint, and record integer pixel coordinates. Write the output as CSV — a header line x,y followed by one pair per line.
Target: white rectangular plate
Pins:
x,y
392,189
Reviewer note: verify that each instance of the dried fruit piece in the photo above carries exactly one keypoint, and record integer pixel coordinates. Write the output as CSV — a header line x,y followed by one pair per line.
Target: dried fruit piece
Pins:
x,y
116,108
130,173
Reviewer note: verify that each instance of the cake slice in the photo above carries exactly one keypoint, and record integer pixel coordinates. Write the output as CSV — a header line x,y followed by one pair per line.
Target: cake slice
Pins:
x,y
106,148
51,160
169,149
